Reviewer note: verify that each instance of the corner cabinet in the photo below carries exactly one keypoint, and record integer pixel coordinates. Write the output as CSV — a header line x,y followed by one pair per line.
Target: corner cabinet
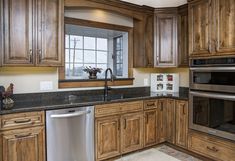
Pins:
x,y
166,40
211,28
32,32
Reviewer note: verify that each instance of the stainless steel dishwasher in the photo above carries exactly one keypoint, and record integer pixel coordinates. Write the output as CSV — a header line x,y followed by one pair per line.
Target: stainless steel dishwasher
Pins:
x,y
70,134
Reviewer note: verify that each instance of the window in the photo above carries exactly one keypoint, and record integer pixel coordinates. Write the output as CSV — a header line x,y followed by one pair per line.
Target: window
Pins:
x,y
82,51
118,56
95,47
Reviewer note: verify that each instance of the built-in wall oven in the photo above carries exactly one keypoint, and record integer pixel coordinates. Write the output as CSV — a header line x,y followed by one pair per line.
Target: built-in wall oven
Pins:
x,y
212,96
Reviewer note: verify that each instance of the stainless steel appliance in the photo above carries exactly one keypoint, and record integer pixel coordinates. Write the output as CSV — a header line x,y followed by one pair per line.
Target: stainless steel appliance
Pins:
x,y
212,96
70,134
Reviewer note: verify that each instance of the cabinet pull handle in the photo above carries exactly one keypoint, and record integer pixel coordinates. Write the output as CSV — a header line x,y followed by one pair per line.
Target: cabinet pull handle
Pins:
x,y
22,121
118,125
124,123
161,106
212,149
39,55
23,135
152,104
30,55
147,119
184,109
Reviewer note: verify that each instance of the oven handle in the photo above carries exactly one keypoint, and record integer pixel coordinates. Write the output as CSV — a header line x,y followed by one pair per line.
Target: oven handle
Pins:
x,y
213,95
213,69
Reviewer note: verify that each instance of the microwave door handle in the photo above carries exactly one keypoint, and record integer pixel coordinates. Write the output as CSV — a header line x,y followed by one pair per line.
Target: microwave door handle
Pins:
x,y
67,115
213,95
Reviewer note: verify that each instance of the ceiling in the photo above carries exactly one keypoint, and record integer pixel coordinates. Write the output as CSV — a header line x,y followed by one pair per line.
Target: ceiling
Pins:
x,y
158,3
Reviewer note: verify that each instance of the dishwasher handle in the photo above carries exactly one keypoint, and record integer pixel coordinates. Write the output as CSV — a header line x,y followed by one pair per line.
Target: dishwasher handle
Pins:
x,y
66,115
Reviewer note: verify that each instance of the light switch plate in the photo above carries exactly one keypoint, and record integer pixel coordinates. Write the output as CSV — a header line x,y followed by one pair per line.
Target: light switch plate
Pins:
x,y
46,85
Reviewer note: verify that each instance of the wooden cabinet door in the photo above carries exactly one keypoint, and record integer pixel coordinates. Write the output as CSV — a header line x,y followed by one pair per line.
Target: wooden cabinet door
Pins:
x,y
50,36
150,125
181,123
24,144
17,32
200,28
161,116
132,132
225,27
183,56
107,137
170,121
166,42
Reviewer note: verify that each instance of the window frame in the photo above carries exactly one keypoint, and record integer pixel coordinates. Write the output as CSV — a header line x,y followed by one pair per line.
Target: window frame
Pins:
x,y
75,83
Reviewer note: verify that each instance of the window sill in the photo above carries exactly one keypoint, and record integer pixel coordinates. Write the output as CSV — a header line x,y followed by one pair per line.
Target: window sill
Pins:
x,y
76,83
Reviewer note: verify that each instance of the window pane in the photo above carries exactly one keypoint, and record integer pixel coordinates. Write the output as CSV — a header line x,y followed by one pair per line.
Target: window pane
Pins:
x,y
66,41
67,70
119,57
71,60
89,56
103,66
102,44
89,43
90,65
102,57
67,55
78,56
119,69
76,42
78,70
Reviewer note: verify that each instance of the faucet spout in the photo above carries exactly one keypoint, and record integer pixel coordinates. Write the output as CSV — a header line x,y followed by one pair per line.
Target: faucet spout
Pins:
x,y
106,88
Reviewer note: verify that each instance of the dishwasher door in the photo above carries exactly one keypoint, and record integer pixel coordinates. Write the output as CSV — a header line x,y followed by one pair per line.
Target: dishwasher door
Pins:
x,y
70,134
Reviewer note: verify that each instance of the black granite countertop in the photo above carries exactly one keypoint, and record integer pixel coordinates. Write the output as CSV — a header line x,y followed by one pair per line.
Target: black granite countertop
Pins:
x,y
61,100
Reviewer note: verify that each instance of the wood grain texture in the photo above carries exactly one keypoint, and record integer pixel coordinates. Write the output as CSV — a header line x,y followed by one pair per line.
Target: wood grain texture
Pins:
x,y
170,121
150,124
181,123
107,131
22,120
50,33
166,41
1,33
131,132
183,43
24,144
225,27
18,32
161,116
213,147
200,28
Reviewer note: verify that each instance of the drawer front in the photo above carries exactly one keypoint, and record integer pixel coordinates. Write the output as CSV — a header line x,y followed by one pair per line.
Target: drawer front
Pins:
x,y
132,106
212,148
150,104
107,109
21,120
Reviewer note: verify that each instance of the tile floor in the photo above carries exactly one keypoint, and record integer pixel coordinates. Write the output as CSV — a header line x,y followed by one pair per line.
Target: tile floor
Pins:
x,y
161,153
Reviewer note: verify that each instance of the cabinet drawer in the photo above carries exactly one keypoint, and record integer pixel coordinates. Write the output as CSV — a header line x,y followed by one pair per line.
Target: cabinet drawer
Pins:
x,y
21,120
132,106
211,147
150,104
107,109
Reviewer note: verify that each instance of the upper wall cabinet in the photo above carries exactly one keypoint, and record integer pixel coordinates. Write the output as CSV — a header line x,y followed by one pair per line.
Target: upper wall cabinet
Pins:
x,y
32,32
211,28
166,40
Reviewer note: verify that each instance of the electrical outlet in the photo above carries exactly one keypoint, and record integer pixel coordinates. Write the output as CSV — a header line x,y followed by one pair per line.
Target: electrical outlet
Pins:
x,y
146,82
46,85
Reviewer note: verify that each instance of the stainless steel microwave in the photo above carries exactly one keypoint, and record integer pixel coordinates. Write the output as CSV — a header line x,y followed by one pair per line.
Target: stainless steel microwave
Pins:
x,y
212,113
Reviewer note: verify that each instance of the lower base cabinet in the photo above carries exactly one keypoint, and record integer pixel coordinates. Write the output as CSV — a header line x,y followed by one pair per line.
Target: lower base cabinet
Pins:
x,y
212,147
24,144
131,132
170,121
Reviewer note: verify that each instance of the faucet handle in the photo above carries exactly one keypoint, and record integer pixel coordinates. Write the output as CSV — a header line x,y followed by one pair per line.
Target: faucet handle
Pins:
x,y
109,88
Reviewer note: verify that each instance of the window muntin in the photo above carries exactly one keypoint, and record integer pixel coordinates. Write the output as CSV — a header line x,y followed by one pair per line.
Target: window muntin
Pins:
x,y
118,56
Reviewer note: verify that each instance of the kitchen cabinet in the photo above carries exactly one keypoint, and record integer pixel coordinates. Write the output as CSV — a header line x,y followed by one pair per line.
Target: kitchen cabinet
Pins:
x,y
166,39
22,137
108,135
181,111
183,56
161,116
132,132
24,144
150,125
170,121
211,147
32,32
211,28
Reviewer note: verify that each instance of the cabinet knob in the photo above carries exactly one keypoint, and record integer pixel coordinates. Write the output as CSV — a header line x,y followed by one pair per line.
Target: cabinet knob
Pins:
x,y
30,55
39,54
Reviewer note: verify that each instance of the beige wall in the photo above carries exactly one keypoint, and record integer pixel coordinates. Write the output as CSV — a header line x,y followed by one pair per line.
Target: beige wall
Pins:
x,y
27,80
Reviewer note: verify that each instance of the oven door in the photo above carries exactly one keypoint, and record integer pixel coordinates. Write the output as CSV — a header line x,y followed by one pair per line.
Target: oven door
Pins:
x,y
220,79
212,113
